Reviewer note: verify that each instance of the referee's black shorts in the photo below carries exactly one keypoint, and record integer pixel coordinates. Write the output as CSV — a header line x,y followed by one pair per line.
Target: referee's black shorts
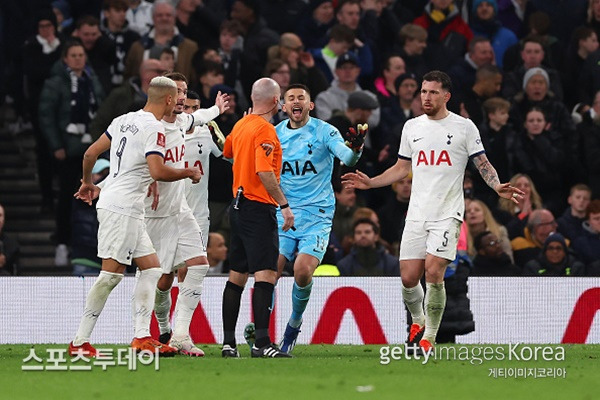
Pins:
x,y
254,242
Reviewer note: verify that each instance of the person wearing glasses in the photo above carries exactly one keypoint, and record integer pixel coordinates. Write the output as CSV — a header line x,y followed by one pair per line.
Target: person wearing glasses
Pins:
x,y
555,260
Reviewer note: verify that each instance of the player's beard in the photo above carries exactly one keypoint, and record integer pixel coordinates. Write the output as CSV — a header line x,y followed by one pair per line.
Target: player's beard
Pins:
x,y
432,111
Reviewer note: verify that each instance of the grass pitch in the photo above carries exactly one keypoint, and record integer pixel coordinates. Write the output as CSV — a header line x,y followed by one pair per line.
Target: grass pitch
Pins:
x,y
317,372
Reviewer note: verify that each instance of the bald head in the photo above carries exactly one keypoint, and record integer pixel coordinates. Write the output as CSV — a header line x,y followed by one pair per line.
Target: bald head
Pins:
x,y
160,87
264,90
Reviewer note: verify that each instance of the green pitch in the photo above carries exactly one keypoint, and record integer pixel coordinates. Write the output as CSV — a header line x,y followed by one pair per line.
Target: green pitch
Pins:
x,y
317,372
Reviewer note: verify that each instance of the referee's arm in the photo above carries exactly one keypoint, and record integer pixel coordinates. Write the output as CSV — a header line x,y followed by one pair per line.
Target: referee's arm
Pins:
x,y
269,181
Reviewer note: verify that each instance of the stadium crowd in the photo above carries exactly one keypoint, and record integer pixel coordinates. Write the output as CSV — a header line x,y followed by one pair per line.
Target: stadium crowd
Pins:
x,y
526,72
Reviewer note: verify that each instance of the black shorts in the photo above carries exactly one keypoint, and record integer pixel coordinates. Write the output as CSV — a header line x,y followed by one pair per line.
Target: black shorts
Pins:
x,y
254,237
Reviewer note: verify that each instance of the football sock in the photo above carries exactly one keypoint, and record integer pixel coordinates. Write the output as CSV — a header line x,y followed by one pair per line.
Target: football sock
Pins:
x,y
413,298
261,308
162,307
94,304
435,302
187,299
300,296
232,295
143,300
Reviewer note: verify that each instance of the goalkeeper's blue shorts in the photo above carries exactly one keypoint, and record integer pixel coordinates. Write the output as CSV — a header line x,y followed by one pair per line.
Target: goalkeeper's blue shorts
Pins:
x,y
310,237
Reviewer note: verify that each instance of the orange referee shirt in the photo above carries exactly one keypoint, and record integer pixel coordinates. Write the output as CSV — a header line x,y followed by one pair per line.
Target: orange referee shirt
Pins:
x,y
254,146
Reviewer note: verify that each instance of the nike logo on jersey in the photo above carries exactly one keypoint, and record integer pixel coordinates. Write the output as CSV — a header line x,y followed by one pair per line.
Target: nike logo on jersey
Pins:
x,y
415,140
194,293
440,250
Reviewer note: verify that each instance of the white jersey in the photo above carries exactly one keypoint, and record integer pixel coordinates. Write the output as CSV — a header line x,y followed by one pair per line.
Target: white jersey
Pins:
x,y
439,151
133,137
172,194
199,147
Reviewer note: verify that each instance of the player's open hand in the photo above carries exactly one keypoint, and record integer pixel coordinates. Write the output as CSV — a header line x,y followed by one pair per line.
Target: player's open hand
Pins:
x,y
153,191
506,191
222,101
87,192
288,219
357,180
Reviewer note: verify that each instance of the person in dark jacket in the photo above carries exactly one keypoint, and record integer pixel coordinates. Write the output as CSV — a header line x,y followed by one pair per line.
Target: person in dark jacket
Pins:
x,y
68,102
554,260
587,245
491,260
570,223
366,258
9,249
589,133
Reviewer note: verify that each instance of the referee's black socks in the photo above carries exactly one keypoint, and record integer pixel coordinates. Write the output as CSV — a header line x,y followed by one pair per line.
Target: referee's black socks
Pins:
x,y
231,309
261,306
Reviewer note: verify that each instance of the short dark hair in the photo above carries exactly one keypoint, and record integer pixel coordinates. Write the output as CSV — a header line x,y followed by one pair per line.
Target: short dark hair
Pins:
x,y
592,208
87,20
365,221
231,25
115,4
478,238
177,77
441,77
193,95
207,66
298,86
341,33
71,43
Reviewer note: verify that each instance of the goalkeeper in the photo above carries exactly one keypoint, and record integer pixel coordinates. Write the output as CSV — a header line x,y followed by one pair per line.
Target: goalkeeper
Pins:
x,y
309,148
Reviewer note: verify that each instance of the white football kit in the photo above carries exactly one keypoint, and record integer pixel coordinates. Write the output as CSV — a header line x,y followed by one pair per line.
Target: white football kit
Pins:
x,y
172,227
439,151
122,233
199,146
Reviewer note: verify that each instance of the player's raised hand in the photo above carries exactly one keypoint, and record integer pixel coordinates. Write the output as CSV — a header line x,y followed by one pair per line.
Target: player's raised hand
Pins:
x,y
222,101
357,180
247,112
153,191
87,192
288,219
506,191
356,137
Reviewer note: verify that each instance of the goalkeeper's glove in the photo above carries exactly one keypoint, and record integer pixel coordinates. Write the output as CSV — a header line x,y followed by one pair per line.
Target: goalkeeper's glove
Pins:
x,y
216,134
356,140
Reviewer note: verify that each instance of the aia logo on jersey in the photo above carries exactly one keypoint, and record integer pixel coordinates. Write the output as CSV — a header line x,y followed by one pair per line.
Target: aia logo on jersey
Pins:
x,y
175,154
161,140
268,148
295,168
434,159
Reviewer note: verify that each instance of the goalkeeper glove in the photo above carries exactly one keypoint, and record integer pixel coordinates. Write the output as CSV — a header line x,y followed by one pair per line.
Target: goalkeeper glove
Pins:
x,y
356,140
216,134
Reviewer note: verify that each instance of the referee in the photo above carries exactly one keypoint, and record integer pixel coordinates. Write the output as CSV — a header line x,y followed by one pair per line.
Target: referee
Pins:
x,y
256,152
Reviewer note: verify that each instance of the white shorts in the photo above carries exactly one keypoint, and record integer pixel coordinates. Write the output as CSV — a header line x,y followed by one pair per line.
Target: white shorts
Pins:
x,y
122,237
177,238
438,238
204,224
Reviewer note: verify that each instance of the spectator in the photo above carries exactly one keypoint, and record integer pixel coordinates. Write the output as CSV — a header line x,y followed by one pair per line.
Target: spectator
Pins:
x,y
449,35
41,52
540,154
554,260
139,16
341,229
589,132
515,217
463,71
167,58
210,74
318,19
347,13
100,50
488,81
341,38
479,218
130,96
366,258
540,225
513,14
392,215
584,42
200,20
258,37
413,42
278,70
163,34
498,136
336,97
490,258
9,249
230,50
84,236
570,223
485,23
116,28
62,11
68,102
588,244
385,85
593,16
216,252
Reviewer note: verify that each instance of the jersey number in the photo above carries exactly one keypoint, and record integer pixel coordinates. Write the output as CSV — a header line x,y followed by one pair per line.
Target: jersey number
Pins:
x,y
119,153
196,164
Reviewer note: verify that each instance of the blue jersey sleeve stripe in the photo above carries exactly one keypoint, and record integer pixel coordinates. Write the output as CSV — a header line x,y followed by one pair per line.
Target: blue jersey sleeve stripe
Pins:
x,y
404,157
477,154
155,152
108,134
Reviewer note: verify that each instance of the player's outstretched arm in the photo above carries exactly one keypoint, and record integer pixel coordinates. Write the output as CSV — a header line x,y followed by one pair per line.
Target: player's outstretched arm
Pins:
x,y
360,180
269,180
490,176
161,172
